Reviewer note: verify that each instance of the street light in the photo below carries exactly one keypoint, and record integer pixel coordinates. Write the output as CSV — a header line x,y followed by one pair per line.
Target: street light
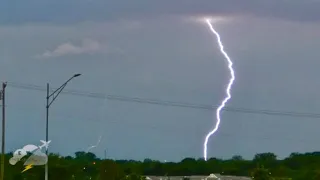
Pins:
x,y
53,97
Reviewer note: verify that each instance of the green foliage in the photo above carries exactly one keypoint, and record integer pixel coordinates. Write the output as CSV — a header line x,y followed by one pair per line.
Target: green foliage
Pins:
x,y
260,173
134,177
110,170
86,166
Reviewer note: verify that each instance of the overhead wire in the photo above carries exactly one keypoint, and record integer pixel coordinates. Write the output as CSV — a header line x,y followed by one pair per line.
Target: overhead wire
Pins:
x,y
165,103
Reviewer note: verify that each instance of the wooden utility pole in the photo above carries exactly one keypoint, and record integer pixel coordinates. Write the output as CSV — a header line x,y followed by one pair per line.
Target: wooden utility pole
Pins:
x,y
2,97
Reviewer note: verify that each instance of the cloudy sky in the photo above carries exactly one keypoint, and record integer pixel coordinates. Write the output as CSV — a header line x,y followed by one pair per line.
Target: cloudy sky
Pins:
x,y
158,50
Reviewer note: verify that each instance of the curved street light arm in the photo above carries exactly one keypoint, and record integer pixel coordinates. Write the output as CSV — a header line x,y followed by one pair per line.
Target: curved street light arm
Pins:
x,y
56,93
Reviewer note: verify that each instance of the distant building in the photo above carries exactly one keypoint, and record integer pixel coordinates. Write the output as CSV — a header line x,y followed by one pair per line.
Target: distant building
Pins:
x,y
210,177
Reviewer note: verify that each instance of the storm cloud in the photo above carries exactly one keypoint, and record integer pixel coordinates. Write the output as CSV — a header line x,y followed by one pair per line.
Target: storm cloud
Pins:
x,y
73,11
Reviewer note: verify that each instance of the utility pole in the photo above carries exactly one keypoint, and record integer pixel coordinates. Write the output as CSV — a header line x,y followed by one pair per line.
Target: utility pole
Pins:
x,y
47,127
2,97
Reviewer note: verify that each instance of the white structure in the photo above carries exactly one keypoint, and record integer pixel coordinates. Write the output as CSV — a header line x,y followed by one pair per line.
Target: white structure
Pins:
x,y
212,176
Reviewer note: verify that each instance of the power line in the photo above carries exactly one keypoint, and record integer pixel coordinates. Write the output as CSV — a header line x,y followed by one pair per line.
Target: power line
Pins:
x,y
166,103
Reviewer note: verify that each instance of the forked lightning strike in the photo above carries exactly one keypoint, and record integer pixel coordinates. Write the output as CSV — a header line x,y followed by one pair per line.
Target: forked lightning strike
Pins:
x,y
225,100
100,137
91,147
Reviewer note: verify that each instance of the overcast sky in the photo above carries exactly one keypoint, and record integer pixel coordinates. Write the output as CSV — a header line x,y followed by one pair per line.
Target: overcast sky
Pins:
x,y
157,50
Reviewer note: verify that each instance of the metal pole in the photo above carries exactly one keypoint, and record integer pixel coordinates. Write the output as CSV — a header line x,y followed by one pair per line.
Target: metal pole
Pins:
x,y
54,96
3,130
47,122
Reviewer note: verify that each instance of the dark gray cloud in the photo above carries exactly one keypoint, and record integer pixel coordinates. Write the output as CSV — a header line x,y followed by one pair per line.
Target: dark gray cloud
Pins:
x,y
70,11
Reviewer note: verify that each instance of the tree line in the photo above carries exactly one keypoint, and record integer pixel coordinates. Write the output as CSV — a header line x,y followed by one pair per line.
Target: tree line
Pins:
x,y
85,166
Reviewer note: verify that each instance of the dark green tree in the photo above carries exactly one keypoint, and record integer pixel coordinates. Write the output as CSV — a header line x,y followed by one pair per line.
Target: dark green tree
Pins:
x,y
268,160
110,170
260,173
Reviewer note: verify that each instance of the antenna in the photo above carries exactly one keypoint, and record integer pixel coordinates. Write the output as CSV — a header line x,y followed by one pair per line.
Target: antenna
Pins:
x,y
105,154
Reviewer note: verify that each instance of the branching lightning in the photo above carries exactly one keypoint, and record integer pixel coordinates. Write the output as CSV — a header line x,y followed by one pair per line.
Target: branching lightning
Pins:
x,y
100,137
91,147
225,100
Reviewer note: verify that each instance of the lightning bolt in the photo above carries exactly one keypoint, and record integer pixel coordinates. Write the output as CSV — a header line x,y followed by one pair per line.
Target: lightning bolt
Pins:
x,y
225,100
91,147
102,117
27,168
